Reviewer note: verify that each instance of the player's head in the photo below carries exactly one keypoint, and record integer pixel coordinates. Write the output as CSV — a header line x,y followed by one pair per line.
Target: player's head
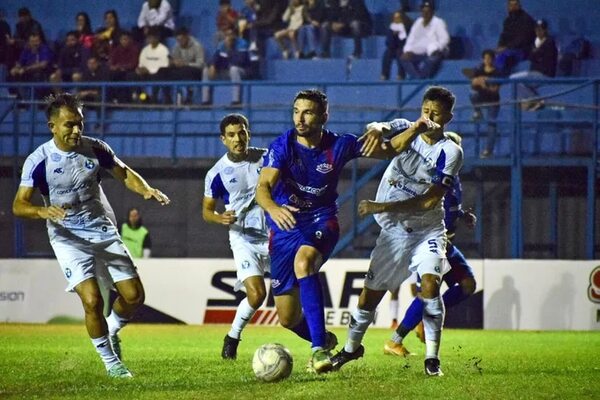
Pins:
x,y
437,105
310,112
134,217
64,112
455,137
235,135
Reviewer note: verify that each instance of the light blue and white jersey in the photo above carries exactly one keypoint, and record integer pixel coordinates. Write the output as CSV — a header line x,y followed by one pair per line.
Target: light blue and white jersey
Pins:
x,y
235,184
411,173
71,180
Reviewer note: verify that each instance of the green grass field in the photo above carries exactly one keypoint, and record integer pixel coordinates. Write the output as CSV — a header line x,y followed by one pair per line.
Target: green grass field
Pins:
x,y
183,362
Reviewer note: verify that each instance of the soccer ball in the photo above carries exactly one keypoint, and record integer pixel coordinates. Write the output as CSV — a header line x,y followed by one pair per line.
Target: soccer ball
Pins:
x,y
272,362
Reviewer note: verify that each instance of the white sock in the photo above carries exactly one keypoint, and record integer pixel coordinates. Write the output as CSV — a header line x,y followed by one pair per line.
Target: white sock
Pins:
x,y
359,322
397,338
394,309
433,321
108,356
115,322
243,315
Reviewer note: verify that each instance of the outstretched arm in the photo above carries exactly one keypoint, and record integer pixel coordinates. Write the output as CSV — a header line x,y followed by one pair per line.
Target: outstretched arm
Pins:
x,y
22,207
282,216
375,146
134,182
425,201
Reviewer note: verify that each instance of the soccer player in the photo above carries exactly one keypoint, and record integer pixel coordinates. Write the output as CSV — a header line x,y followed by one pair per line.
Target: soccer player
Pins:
x,y
297,188
460,279
81,223
233,180
408,208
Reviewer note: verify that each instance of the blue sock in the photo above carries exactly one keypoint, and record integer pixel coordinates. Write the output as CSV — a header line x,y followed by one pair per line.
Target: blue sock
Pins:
x,y
413,316
453,296
311,298
301,329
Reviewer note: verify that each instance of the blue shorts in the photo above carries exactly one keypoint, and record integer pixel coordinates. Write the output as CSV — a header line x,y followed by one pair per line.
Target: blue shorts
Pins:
x,y
283,246
459,268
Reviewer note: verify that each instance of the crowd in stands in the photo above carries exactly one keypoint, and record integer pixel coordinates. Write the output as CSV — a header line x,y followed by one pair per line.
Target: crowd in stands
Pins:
x,y
302,29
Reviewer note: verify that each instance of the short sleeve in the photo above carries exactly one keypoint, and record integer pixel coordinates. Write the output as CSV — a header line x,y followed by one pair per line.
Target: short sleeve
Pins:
x,y
275,156
105,155
447,166
34,174
351,147
214,188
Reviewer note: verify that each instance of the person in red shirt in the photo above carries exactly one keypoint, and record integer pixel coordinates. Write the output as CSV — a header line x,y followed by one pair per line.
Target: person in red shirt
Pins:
x,y
122,60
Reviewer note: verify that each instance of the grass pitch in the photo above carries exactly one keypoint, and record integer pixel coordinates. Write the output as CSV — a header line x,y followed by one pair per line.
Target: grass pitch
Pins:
x,y
183,362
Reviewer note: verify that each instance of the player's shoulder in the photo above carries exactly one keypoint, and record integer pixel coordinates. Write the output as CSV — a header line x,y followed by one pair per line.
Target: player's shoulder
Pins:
x,y
217,167
451,148
90,142
41,153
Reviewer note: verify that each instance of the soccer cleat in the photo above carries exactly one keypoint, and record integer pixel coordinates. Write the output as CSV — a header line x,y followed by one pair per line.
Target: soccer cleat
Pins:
x,y
115,343
321,361
343,357
119,370
432,367
230,346
330,341
395,349
420,332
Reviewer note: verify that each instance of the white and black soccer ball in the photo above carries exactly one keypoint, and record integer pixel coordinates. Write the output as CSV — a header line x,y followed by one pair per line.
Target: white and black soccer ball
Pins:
x,y
272,362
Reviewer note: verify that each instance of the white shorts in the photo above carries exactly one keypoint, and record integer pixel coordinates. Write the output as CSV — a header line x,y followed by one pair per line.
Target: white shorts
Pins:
x,y
108,261
251,259
396,256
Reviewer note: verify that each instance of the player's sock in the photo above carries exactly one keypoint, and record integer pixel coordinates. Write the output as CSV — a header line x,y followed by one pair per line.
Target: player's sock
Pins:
x,y
311,298
359,322
394,309
453,296
108,356
411,319
301,329
433,319
115,322
243,315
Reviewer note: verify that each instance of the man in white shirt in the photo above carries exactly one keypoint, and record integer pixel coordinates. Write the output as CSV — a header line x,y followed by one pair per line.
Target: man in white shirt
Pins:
x,y
426,45
152,58
157,13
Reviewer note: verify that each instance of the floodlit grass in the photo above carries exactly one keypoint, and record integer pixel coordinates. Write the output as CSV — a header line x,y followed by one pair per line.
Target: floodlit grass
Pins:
x,y
183,362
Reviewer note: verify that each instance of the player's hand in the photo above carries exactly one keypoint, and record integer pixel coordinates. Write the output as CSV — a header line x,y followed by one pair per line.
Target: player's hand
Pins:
x,y
283,217
424,124
156,194
372,138
228,217
52,213
366,207
469,218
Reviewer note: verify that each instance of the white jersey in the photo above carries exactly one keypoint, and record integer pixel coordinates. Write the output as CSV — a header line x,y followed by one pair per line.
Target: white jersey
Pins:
x,y
235,183
411,173
71,180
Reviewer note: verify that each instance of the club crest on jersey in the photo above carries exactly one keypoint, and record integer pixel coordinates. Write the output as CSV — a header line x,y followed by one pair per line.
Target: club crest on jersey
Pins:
x,y
58,171
89,164
228,171
324,168
55,157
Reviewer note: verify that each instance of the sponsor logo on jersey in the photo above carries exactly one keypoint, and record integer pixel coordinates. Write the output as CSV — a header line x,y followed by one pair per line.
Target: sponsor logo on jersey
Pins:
x,y
295,200
58,170
308,189
84,185
233,180
55,157
397,184
594,288
72,156
89,164
275,283
228,171
324,168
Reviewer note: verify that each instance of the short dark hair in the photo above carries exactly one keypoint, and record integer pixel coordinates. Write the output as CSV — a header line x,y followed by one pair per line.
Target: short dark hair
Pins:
x,y
55,101
233,119
441,94
24,12
153,31
491,52
183,30
314,95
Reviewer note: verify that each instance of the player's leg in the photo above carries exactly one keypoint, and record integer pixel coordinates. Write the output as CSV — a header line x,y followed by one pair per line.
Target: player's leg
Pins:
x,y
130,297
460,279
394,306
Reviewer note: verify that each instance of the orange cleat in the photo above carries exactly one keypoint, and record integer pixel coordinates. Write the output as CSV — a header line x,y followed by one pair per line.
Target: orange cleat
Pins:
x,y
395,349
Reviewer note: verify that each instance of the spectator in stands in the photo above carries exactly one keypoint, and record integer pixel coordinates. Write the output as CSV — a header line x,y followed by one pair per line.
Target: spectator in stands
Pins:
x,y
123,60
246,22
95,71
71,60
135,235
308,34
34,64
230,61
83,27
5,37
346,18
156,14
25,27
516,38
544,59
153,57
426,44
294,16
483,91
394,44
227,18
269,15
187,62
108,36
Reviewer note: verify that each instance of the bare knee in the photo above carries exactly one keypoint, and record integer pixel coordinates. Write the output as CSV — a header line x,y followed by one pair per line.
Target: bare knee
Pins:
x,y
256,296
92,302
369,299
135,297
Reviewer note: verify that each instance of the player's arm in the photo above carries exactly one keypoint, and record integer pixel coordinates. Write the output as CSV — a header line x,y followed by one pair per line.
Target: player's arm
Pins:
x,y
134,182
423,202
469,218
210,215
282,216
22,207
375,146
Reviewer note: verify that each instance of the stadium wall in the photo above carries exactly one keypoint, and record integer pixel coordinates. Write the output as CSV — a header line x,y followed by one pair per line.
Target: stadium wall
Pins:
x,y
516,294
